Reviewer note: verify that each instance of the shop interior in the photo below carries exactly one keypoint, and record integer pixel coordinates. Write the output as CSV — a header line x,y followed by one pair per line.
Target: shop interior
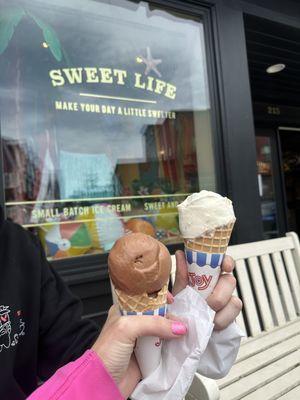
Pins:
x,y
273,52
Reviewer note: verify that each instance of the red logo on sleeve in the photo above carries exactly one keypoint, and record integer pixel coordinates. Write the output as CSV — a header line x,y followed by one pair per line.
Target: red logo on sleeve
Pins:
x,y
200,281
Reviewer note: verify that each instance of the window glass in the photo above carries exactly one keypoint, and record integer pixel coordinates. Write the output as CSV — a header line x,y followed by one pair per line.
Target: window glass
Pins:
x,y
105,120
266,186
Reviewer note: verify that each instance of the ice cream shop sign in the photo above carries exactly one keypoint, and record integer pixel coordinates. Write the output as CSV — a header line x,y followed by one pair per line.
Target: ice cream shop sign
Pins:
x,y
111,76
119,87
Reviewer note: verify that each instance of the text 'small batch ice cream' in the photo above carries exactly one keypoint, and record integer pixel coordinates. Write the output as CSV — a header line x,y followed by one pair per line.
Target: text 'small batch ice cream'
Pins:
x,y
206,220
139,267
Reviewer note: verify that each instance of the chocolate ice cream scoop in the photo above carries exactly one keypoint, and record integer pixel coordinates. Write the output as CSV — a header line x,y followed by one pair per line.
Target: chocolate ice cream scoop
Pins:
x,y
138,264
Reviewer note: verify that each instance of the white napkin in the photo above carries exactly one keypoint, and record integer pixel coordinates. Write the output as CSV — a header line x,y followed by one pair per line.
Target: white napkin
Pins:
x,y
221,352
181,358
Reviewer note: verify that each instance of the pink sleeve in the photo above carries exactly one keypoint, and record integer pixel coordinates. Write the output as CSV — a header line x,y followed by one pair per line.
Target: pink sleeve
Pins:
x,y
85,378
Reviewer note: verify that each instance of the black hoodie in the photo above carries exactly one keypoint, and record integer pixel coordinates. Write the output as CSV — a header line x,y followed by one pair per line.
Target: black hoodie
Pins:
x,y
40,320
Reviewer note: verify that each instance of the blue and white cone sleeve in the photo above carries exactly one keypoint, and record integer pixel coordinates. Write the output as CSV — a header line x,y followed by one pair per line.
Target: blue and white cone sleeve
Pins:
x,y
204,270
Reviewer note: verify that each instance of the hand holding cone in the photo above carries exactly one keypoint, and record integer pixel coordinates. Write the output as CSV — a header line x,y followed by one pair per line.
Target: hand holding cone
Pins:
x,y
139,267
206,220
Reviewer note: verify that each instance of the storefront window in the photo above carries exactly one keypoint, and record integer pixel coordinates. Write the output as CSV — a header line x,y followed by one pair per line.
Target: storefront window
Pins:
x,y
105,119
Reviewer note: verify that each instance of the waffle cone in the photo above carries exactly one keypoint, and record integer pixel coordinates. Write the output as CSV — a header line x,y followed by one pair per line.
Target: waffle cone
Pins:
x,y
142,302
213,241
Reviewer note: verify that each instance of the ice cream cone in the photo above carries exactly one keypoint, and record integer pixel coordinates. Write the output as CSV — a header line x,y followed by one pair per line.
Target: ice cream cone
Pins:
x,y
139,268
206,220
141,303
204,256
215,241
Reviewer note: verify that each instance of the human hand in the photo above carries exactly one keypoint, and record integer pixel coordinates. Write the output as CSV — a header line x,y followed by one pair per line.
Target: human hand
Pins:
x,y
116,342
221,300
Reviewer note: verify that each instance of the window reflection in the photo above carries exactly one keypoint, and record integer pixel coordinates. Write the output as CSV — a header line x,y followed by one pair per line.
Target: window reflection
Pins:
x,y
105,119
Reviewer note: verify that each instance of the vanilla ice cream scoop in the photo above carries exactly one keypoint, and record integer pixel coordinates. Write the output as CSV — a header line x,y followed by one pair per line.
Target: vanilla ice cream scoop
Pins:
x,y
203,212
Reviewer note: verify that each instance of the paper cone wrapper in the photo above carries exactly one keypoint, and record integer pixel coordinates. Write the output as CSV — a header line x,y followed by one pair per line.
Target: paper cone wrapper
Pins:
x,y
204,257
147,349
148,354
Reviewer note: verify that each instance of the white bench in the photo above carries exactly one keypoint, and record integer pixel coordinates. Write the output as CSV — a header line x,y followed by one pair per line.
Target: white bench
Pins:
x,y
268,363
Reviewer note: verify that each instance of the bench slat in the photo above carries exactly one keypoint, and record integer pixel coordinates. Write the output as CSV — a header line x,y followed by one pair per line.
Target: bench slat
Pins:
x,y
249,386
266,340
284,285
272,287
267,366
246,293
274,390
260,293
293,277
242,251
294,394
263,359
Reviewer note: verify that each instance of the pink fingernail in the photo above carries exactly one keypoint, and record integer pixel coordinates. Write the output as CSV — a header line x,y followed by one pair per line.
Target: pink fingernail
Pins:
x,y
178,328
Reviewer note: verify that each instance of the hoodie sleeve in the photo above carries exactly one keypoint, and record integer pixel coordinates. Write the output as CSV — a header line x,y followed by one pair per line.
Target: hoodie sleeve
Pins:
x,y
85,378
63,335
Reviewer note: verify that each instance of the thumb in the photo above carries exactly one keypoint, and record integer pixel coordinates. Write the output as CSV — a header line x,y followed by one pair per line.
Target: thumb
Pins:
x,y
146,325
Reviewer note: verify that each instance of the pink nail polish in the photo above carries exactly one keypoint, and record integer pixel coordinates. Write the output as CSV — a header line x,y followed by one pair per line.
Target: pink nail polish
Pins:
x,y
178,328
